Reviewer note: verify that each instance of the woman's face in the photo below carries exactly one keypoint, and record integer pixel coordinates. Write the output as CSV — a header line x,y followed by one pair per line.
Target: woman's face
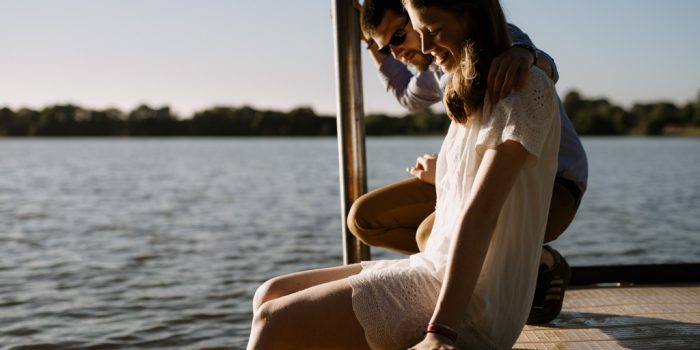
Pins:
x,y
442,35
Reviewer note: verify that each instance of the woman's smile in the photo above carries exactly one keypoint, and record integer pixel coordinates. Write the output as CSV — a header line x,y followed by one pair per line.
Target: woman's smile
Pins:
x,y
444,60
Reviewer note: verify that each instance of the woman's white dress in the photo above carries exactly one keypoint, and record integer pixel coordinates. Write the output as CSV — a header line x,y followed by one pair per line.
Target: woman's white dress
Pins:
x,y
394,299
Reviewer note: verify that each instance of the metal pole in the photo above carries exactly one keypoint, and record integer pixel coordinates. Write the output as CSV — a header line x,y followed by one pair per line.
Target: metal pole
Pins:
x,y
350,116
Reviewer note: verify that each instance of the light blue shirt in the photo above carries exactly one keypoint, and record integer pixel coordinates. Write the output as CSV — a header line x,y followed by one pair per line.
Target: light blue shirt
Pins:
x,y
422,89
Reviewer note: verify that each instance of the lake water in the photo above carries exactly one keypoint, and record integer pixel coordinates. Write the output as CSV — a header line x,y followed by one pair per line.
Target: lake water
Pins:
x,y
160,243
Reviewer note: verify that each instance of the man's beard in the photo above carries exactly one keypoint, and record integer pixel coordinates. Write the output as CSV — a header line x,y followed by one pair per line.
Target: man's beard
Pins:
x,y
420,62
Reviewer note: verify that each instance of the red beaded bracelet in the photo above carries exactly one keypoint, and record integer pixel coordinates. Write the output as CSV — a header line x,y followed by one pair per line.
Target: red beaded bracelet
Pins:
x,y
443,330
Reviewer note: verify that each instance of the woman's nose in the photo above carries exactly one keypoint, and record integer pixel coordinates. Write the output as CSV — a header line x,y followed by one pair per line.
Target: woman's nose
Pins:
x,y
426,44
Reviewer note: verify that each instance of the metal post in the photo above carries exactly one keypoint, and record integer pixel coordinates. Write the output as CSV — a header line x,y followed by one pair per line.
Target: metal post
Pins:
x,y
350,116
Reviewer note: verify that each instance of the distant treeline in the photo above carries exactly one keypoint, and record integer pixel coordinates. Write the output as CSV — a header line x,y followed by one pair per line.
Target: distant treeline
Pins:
x,y
600,117
590,117
71,120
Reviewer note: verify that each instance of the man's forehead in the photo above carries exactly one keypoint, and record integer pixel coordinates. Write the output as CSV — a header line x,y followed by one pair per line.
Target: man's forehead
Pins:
x,y
389,24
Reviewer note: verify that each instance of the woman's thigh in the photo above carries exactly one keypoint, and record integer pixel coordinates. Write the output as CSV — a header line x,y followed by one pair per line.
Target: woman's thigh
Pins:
x,y
280,286
319,317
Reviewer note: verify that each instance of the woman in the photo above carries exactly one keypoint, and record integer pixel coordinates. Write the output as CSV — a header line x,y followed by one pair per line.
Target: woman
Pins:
x,y
473,285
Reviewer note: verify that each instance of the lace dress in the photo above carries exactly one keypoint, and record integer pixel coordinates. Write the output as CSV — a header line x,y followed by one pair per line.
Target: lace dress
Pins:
x,y
394,299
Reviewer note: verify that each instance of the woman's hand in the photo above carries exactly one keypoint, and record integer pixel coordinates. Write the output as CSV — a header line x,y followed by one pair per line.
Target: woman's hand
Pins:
x,y
433,341
508,71
425,168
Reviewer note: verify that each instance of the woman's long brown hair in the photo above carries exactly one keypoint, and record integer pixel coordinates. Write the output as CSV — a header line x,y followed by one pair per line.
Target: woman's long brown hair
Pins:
x,y
487,37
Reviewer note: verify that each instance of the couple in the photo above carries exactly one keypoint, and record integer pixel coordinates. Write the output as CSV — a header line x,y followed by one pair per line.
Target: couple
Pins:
x,y
400,216
472,283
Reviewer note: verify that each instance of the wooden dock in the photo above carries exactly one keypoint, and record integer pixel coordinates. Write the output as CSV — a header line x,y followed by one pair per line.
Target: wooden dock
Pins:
x,y
658,317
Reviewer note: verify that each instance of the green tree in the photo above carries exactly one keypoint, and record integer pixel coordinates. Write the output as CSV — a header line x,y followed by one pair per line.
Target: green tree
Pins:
x,y
426,122
303,121
109,122
146,121
60,120
696,112
381,124
217,121
7,122
26,121
594,117
654,117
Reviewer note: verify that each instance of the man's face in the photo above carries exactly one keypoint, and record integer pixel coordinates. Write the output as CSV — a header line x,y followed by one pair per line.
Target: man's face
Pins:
x,y
409,51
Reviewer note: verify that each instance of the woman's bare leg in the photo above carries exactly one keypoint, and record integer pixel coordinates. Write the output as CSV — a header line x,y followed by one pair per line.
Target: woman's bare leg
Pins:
x,y
296,312
291,283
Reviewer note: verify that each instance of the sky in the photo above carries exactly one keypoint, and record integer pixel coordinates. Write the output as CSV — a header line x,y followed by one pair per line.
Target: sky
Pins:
x,y
195,54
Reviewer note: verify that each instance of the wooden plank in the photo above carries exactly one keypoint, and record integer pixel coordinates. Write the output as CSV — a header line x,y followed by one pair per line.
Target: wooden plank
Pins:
x,y
637,274
639,317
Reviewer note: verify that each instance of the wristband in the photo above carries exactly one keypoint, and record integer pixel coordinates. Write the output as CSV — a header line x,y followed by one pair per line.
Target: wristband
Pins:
x,y
443,330
530,48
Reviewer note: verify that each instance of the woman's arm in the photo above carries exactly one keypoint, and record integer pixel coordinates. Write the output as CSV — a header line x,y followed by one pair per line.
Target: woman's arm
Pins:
x,y
494,181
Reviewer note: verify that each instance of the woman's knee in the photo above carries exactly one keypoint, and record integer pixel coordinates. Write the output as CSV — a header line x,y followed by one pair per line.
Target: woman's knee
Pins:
x,y
262,332
271,289
321,316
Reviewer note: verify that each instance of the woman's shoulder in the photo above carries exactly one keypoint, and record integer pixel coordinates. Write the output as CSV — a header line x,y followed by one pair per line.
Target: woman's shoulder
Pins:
x,y
526,115
537,95
537,83
532,106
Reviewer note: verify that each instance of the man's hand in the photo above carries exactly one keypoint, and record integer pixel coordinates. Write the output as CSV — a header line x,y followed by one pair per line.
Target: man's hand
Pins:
x,y
358,7
425,168
508,71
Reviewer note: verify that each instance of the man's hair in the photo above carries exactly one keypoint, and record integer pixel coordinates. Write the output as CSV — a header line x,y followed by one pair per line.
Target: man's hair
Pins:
x,y
373,12
488,37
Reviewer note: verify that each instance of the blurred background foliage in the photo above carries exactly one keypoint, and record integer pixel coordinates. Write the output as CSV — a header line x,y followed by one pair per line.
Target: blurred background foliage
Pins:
x,y
589,117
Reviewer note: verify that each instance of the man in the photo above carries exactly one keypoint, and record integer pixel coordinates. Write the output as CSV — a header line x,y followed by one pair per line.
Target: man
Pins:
x,y
400,216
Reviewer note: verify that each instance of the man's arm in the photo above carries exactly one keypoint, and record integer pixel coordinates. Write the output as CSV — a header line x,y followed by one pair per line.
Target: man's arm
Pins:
x,y
413,92
509,70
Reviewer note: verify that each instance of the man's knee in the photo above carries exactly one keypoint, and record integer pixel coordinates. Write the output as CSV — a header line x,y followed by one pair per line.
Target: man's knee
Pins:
x,y
357,216
424,230
360,221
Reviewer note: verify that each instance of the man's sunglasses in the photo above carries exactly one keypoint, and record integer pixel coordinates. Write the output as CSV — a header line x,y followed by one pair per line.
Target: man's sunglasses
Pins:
x,y
397,38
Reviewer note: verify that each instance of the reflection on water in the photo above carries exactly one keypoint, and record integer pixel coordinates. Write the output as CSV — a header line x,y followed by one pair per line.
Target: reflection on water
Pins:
x,y
160,243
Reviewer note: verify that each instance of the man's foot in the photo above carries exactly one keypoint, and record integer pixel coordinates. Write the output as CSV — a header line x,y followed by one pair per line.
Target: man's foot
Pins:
x,y
549,293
